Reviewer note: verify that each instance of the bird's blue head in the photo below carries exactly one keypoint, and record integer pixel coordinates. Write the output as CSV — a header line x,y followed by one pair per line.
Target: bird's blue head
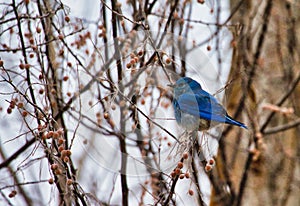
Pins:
x,y
185,85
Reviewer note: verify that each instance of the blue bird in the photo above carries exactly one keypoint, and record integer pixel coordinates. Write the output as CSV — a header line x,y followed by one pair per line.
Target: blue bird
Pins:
x,y
196,109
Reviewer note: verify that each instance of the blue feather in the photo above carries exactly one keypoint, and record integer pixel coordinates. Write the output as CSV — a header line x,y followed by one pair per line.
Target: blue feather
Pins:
x,y
190,98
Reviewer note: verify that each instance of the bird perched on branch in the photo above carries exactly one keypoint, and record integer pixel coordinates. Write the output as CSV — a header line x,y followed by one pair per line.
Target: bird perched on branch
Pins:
x,y
196,109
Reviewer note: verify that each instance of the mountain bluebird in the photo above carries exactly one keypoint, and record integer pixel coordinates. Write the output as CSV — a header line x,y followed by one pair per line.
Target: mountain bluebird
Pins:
x,y
196,109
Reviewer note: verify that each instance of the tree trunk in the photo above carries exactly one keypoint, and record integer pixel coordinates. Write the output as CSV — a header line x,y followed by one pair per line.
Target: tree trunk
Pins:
x,y
260,166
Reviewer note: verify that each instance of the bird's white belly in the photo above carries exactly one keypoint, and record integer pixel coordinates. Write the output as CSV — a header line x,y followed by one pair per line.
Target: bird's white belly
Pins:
x,y
189,122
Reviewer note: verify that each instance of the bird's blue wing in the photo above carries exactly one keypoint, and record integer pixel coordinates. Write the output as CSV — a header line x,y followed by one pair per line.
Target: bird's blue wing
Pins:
x,y
202,106
205,106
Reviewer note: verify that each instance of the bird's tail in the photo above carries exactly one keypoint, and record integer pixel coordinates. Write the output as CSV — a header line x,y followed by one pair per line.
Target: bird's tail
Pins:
x,y
229,120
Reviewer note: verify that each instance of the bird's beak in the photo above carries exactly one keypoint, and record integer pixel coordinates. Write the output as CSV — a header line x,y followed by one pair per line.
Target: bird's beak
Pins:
x,y
171,85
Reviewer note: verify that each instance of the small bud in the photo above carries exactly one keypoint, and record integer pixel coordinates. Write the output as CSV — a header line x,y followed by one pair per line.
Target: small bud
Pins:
x,y
185,155
41,91
168,61
53,91
54,166
67,18
175,15
106,115
66,159
60,131
173,174
51,181
34,47
208,168
122,103
187,175
180,165
27,66
31,40
9,110
38,29
177,171
20,105
211,161
68,153
50,134
12,104
61,36
65,78
69,181
61,148
60,141
140,53
61,52
128,65
132,61
233,43
24,113
21,66
12,194
55,135
58,172
132,55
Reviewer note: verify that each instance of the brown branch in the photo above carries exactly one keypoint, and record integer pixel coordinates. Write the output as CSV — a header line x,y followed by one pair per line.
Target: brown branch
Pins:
x,y
17,183
115,13
282,128
151,5
148,118
172,190
122,141
28,76
197,183
17,153
243,182
281,101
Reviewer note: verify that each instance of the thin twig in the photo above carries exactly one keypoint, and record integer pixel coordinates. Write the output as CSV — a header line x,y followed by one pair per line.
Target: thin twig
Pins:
x,y
17,153
280,102
282,128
